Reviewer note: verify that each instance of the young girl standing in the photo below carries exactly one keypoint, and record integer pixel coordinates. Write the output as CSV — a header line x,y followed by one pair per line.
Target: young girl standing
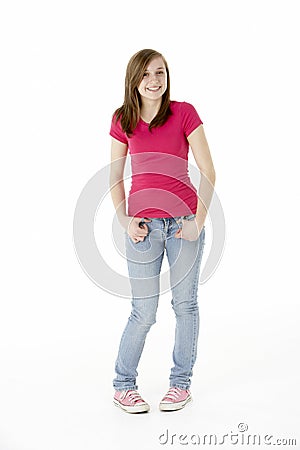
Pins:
x,y
164,214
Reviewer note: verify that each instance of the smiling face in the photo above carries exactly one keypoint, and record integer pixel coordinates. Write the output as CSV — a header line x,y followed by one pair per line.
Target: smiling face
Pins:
x,y
154,82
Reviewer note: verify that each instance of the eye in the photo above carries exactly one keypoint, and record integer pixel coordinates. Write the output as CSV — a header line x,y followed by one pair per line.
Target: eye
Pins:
x,y
145,74
161,72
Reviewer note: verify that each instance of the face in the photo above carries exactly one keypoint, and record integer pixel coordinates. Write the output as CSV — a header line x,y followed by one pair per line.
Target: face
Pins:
x,y
154,82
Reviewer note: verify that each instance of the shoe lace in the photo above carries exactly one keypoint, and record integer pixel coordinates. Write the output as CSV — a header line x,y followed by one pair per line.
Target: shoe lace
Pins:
x,y
133,396
173,393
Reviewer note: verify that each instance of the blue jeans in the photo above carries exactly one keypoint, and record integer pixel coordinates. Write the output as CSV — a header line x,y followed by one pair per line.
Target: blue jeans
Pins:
x,y
144,260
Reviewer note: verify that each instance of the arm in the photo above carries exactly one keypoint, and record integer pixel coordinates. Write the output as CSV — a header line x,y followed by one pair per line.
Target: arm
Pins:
x,y
201,152
117,191
116,181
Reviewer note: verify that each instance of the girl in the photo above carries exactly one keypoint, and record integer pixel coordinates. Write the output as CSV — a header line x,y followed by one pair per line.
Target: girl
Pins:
x,y
164,213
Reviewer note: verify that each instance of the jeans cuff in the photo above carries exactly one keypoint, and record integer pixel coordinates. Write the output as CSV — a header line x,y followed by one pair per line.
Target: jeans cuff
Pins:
x,y
126,388
180,386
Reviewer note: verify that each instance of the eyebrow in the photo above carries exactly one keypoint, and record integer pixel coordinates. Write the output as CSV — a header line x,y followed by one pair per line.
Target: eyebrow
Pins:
x,y
155,69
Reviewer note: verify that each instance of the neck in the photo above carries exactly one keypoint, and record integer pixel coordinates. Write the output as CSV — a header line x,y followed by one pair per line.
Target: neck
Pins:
x,y
149,109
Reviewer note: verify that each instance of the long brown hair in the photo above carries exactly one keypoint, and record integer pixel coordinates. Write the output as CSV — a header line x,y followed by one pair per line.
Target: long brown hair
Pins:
x,y
129,112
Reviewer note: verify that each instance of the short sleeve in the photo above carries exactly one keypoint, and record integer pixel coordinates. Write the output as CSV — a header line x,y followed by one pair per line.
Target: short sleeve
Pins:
x,y
117,132
190,118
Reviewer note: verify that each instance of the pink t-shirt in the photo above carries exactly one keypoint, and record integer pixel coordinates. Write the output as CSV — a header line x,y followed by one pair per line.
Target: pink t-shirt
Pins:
x,y
160,184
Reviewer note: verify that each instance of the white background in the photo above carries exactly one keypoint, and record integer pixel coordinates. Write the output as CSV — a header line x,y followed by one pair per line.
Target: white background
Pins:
x,y
63,68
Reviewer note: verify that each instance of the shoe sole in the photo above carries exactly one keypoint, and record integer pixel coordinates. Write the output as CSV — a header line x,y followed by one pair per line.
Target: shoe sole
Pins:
x,y
174,406
132,409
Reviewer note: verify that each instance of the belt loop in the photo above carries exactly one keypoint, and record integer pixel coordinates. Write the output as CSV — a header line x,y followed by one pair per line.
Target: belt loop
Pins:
x,y
179,221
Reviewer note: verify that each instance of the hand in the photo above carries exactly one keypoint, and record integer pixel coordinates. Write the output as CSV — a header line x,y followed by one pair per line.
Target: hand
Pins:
x,y
135,231
190,230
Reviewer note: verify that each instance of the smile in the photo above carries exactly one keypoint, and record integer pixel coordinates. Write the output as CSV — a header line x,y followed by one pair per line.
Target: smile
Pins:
x,y
154,89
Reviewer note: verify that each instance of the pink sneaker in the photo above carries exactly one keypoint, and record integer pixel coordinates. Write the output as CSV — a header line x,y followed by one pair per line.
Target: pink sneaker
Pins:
x,y
174,399
130,401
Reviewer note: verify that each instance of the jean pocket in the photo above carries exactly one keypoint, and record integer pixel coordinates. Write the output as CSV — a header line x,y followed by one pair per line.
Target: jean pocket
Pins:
x,y
142,221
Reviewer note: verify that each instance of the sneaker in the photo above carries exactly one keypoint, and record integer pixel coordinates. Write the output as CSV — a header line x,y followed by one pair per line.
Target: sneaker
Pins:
x,y
174,399
130,401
